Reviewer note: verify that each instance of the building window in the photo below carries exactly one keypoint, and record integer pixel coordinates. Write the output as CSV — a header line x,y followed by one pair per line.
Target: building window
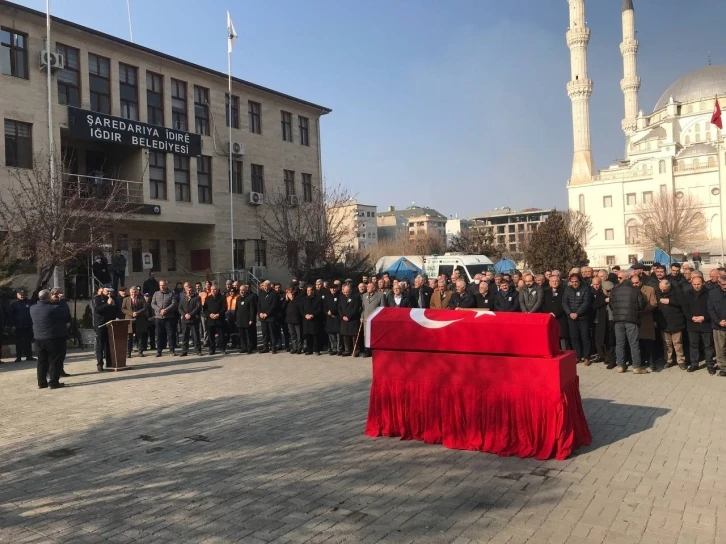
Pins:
x,y
255,113
712,162
661,167
647,197
18,144
234,112
155,250
632,259
201,111
13,53
688,140
157,175
182,183
179,105
237,177
99,82
696,163
170,255
69,79
663,190
260,252
128,77
238,250
289,176
630,199
307,187
137,264
286,120
609,234
304,124
607,202
154,98
258,178
581,203
610,260
204,179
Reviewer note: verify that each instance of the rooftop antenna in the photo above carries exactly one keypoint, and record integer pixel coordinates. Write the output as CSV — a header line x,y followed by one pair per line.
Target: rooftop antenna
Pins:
x,y
128,9
709,58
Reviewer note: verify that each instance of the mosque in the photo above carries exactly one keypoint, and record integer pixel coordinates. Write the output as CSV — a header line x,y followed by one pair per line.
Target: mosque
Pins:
x,y
672,150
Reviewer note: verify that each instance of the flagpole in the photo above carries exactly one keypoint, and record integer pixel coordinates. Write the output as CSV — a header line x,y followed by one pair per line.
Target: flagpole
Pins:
x,y
229,146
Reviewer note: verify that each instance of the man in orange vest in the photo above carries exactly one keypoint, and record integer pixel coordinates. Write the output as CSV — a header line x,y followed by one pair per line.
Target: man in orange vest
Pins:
x,y
231,318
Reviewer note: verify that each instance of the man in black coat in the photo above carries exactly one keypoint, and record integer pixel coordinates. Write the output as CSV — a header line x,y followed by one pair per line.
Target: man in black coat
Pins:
x,y
350,309
717,313
311,308
247,320
269,303
462,297
670,319
49,328
577,303
484,297
214,308
293,319
600,320
19,317
698,324
190,309
420,295
552,304
105,310
507,299
151,285
626,303
332,320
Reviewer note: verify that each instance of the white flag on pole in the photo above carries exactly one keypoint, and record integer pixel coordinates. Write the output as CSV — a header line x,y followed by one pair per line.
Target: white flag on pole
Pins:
x,y
231,33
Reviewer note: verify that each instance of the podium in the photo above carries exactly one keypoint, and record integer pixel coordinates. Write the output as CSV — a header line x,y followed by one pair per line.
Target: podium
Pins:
x,y
118,331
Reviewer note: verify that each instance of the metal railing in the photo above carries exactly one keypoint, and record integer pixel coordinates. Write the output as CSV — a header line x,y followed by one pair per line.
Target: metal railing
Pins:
x,y
97,187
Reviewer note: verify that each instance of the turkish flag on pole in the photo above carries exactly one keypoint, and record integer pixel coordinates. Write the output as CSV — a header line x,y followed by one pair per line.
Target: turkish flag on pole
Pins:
x,y
716,117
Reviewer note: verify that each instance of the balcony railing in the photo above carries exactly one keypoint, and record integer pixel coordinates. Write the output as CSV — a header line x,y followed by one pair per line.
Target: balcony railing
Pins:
x,y
100,188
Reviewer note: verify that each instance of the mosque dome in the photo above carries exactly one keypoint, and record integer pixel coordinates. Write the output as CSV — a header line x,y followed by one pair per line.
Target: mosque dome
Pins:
x,y
698,85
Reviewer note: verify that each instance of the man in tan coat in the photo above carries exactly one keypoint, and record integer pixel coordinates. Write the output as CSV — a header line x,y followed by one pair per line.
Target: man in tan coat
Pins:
x,y
441,296
646,327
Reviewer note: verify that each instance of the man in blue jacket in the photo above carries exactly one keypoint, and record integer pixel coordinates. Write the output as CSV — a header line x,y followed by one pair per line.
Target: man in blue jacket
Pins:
x,y
717,312
49,328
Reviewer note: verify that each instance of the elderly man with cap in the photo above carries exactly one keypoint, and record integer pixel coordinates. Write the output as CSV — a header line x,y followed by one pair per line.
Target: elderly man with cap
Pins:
x,y
19,314
49,327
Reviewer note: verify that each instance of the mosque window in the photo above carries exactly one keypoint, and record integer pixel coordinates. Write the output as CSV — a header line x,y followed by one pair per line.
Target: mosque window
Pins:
x,y
689,109
698,137
688,140
630,199
661,167
696,163
712,161
648,146
663,190
581,203
607,201
708,136
697,128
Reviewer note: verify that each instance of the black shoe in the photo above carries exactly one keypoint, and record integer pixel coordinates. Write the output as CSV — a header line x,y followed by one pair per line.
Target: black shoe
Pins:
x,y
274,352
669,365
345,354
30,358
722,373
682,366
42,386
611,366
224,352
99,368
711,370
128,356
317,353
339,354
212,352
57,385
18,360
158,354
182,354
306,353
174,354
692,368
264,351
199,353
65,374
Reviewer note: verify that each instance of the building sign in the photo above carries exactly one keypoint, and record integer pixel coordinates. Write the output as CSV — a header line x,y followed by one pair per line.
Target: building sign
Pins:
x,y
99,127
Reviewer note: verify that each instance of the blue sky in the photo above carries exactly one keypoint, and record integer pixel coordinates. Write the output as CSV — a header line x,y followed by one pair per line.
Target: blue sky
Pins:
x,y
455,104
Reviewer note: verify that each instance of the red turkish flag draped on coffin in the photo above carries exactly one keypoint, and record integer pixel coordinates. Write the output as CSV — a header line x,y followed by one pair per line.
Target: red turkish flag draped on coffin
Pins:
x,y
477,380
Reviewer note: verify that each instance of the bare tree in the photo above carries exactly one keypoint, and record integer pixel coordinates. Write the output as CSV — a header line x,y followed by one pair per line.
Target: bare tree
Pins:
x,y
307,228
50,221
671,221
579,225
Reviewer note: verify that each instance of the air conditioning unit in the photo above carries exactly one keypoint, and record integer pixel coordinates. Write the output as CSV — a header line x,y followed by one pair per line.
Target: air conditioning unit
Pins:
x,y
258,272
237,148
257,198
294,200
57,61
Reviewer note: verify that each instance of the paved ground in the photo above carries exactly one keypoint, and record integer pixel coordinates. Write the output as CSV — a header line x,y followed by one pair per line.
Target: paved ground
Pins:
x,y
263,449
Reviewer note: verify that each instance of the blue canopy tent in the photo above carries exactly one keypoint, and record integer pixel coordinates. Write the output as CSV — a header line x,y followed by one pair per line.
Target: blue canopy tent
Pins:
x,y
657,255
504,266
403,269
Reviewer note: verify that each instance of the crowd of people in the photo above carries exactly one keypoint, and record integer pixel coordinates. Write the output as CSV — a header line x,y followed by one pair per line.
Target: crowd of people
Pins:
x,y
647,317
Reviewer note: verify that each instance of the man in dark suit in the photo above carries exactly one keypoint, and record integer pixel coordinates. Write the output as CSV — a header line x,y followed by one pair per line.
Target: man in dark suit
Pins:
x,y
247,320
268,308
135,307
420,295
190,309
49,328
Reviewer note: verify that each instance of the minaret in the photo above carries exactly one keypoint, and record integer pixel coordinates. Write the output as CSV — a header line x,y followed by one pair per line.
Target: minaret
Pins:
x,y
630,82
579,89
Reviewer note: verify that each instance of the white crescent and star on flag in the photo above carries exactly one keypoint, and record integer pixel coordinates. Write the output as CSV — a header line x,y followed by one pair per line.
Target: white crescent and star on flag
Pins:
x,y
231,33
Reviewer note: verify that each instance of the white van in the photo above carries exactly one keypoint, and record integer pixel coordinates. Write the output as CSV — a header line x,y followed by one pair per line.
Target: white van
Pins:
x,y
470,265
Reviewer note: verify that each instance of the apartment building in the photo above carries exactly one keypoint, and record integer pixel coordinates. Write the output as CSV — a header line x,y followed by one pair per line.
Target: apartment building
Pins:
x,y
359,222
412,222
511,228
158,125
